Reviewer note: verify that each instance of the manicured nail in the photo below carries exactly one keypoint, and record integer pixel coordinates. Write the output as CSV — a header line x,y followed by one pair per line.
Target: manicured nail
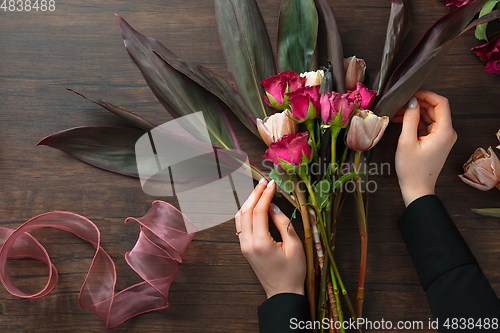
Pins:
x,y
275,209
412,103
270,183
262,180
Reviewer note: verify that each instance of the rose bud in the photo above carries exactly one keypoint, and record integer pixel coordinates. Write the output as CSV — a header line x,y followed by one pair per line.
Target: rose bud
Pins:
x,y
304,103
332,104
482,170
272,128
277,86
363,96
290,152
366,130
354,69
313,78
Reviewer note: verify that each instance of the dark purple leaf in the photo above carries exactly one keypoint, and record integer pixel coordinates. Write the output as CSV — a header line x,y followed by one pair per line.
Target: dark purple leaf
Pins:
x,y
445,29
177,93
334,44
131,117
247,50
397,30
392,101
297,35
216,85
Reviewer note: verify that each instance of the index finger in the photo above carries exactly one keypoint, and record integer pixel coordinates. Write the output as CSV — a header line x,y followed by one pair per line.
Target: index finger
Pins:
x,y
442,113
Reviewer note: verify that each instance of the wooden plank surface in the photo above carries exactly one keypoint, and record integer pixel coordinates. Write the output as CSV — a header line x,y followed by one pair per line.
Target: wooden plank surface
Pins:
x,y
79,46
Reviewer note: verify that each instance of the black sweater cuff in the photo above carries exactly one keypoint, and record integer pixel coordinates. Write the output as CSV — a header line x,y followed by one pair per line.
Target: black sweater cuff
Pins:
x,y
282,313
433,240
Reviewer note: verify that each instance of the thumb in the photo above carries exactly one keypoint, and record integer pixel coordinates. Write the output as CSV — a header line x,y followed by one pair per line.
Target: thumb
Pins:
x,y
411,119
282,223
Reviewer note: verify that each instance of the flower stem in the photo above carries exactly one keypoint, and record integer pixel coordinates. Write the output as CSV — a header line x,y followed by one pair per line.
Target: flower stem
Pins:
x,y
363,230
309,247
304,177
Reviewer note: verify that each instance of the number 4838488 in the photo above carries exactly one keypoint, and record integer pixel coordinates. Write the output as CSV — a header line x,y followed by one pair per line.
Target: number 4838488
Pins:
x,y
27,5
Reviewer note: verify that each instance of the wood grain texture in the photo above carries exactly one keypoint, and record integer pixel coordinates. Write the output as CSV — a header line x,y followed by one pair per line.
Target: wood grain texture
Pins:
x,y
79,46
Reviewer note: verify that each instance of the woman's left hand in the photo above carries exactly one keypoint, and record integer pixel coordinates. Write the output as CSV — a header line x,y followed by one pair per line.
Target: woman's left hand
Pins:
x,y
279,266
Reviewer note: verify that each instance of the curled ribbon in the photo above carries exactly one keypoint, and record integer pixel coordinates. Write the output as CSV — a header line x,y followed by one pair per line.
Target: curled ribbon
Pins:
x,y
164,236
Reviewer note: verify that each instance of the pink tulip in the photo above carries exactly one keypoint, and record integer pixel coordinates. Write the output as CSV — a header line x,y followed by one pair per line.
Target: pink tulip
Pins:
x,y
332,103
482,170
366,130
354,69
277,86
363,96
290,152
304,103
272,128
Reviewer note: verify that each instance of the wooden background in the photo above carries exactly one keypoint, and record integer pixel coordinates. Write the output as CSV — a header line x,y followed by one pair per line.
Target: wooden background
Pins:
x,y
79,46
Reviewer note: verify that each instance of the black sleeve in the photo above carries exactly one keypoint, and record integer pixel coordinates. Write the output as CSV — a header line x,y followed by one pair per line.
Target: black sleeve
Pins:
x,y
283,313
455,285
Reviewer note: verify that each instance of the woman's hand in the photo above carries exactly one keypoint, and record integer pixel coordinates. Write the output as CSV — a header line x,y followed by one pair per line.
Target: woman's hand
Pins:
x,y
280,267
424,144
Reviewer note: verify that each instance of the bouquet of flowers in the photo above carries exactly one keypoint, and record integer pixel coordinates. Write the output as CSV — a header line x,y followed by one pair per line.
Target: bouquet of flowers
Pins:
x,y
300,112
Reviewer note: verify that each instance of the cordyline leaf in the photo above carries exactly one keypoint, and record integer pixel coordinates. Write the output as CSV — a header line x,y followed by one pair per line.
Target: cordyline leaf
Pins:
x,y
397,30
247,50
108,148
481,29
418,66
297,35
177,93
215,84
114,149
131,117
494,212
334,45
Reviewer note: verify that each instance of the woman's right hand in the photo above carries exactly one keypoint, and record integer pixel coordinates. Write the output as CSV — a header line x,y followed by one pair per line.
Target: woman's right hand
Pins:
x,y
426,139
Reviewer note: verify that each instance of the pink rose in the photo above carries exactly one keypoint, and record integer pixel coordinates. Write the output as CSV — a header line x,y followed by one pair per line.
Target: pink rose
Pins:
x,y
363,96
490,53
366,130
332,103
272,128
304,103
290,152
482,170
277,86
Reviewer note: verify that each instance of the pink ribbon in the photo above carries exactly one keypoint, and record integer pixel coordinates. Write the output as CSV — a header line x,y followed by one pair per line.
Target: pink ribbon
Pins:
x,y
164,236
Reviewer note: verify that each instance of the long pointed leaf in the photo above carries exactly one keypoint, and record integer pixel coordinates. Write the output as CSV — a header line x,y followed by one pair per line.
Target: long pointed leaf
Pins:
x,y
108,148
397,30
131,117
247,50
297,35
493,212
445,29
177,93
412,73
114,149
215,84
334,44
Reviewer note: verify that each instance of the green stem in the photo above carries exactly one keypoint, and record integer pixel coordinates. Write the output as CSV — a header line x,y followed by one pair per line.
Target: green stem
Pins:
x,y
337,300
304,177
363,230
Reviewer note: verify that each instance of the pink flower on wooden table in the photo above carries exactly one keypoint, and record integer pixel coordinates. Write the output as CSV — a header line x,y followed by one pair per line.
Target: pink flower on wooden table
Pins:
x,y
274,127
366,130
290,152
490,53
482,170
278,86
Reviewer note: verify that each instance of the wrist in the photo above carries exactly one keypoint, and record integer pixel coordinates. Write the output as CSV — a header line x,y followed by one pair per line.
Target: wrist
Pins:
x,y
412,194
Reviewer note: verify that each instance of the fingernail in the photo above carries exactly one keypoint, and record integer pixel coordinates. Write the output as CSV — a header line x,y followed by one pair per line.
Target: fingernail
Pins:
x,y
275,209
270,183
412,103
262,180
